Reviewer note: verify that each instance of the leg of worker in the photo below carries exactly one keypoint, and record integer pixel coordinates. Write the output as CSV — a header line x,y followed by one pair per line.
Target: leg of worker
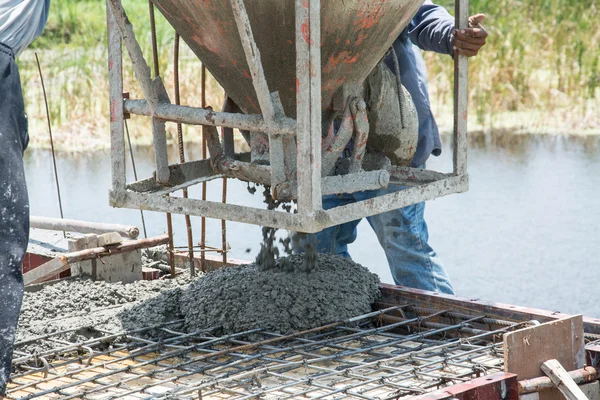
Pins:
x,y
336,238
404,237
14,208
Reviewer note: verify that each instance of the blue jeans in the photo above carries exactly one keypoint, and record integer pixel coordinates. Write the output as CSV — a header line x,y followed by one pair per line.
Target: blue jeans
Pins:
x,y
403,235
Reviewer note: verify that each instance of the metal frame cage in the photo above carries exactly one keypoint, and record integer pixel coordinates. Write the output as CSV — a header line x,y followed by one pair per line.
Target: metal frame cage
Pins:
x,y
299,138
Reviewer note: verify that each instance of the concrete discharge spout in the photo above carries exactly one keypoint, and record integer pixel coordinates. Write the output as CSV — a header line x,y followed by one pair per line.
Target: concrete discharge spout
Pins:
x,y
355,35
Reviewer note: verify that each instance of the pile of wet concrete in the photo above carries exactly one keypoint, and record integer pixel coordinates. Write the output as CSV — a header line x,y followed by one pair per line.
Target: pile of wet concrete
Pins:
x,y
291,295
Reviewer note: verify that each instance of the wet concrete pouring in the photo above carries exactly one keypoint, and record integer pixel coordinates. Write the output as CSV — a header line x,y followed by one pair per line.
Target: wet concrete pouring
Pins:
x,y
281,294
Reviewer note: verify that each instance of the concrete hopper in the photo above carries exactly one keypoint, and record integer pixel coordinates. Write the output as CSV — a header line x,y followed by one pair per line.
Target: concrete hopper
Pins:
x,y
355,34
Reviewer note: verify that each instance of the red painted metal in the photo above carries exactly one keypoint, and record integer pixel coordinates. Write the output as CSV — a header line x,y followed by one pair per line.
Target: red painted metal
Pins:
x,y
354,36
403,295
498,386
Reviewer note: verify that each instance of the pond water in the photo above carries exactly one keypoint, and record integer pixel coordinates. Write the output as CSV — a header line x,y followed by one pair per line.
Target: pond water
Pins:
x,y
527,232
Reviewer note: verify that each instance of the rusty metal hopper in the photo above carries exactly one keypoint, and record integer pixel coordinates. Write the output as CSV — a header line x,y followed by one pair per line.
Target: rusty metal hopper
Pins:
x,y
355,34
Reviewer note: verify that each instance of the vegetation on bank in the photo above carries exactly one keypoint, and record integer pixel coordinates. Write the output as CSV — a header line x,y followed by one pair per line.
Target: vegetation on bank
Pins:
x,y
540,70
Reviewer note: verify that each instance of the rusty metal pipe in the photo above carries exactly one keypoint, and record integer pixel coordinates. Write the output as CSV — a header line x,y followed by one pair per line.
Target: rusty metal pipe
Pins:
x,y
580,376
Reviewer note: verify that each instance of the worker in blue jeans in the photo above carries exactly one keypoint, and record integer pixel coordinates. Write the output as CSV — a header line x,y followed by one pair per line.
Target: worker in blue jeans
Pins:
x,y
21,21
403,233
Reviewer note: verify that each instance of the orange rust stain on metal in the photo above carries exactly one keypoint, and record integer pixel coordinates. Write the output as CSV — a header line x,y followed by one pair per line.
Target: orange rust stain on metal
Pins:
x,y
252,103
331,85
345,57
366,20
361,37
306,33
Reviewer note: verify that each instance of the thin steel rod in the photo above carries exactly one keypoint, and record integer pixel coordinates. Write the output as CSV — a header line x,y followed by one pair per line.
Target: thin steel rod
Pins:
x,y
188,222
153,36
224,225
60,207
204,156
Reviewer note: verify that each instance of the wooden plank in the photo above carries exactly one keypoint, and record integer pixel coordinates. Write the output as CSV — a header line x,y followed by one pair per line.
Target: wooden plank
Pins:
x,y
393,295
526,349
562,380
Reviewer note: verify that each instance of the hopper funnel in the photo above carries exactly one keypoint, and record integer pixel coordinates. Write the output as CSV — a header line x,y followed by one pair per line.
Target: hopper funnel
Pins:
x,y
355,34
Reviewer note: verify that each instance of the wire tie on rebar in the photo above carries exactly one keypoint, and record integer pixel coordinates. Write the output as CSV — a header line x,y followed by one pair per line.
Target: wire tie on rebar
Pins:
x,y
91,352
46,367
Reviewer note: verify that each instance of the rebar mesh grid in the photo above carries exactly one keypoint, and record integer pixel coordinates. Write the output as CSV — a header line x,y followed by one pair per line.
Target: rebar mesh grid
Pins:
x,y
387,354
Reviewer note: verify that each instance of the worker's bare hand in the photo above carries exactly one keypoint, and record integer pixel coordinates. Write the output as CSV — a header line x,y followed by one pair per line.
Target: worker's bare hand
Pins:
x,y
468,41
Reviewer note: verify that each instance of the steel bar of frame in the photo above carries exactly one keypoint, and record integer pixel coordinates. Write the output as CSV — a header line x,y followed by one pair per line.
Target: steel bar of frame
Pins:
x,y
213,209
149,88
308,103
277,150
416,176
278,219
338,184
392,201
115,76
253,59
461,95
200,116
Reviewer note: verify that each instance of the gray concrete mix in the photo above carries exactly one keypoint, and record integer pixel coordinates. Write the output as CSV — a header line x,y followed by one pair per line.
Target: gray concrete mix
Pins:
x,y
284,298
287,297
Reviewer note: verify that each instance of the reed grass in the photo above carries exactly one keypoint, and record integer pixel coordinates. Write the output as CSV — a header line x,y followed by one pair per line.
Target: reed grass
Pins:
x,y
540,70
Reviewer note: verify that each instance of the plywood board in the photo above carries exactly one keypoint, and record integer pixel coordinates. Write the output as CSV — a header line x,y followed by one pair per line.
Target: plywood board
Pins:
x,y
526,349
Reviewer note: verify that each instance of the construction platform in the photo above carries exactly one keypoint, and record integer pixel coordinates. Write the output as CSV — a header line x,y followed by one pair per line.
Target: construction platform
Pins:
x,y
415,344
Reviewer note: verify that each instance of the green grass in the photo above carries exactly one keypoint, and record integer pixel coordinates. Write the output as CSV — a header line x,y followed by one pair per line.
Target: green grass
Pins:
x,y
540,67
541,55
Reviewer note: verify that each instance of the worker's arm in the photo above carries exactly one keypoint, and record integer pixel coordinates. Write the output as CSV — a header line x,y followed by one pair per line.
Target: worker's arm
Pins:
x,y
432,29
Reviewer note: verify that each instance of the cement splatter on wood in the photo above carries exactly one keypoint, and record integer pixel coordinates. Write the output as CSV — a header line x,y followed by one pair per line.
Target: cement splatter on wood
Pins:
x,y
287,297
